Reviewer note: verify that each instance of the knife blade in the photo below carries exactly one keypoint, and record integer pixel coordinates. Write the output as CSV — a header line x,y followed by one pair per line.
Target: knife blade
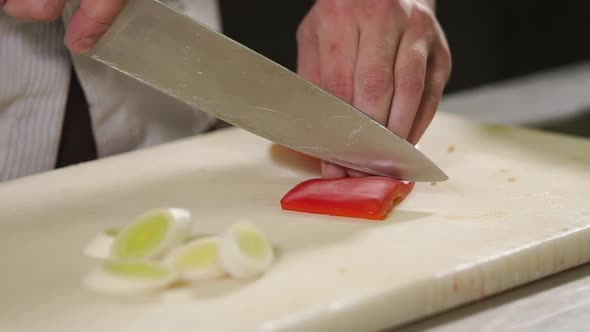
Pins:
x,y
179,56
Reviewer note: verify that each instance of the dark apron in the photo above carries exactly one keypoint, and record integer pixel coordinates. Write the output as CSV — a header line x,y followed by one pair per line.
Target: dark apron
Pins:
x,y
77,142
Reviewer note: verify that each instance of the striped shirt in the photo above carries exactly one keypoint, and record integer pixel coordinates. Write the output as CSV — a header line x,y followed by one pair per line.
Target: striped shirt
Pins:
x,y
35,70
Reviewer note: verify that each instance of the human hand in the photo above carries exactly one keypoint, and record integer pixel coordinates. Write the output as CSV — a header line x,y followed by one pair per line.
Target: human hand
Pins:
x,y
90,21
387,58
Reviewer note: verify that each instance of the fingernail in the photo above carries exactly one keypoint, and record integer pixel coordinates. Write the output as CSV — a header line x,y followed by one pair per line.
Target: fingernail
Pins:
x,y
85,44
356,174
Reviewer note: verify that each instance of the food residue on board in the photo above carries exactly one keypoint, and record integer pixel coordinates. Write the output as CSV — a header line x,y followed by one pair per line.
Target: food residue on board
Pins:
x,y
433,183
511,179
370,197
451,149
156,251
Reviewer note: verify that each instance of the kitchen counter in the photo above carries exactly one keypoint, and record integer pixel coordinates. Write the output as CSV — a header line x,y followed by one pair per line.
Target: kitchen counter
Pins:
x,y
555,99
557,303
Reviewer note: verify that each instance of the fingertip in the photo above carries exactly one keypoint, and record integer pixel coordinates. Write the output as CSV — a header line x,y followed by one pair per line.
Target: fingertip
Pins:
x,y
323,168
80,45
332,171
420,128
76,39
400,121
414,139
416,134
356,174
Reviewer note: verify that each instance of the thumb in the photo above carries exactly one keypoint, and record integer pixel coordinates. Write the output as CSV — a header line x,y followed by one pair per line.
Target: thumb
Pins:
x,y
90,22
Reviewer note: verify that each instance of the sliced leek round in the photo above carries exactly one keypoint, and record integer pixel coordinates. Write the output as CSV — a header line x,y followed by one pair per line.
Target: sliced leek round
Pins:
x,y
152,234
244,251
129,277
100,245
196,260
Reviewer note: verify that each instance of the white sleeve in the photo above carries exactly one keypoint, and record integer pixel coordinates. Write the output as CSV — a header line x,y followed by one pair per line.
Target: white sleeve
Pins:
x,y
128,115
34,79
205,11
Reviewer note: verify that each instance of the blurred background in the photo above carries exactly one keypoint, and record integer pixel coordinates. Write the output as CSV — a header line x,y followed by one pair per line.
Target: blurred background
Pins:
x,y
524,62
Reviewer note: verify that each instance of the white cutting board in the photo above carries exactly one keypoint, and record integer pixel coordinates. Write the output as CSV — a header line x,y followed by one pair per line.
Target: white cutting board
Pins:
x,y
517,208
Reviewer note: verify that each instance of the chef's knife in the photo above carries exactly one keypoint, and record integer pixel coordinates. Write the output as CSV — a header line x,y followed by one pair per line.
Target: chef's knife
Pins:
x,y
177,55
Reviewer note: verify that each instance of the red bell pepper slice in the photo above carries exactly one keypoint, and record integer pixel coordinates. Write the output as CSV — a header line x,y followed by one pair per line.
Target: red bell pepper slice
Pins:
x,y
370,197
